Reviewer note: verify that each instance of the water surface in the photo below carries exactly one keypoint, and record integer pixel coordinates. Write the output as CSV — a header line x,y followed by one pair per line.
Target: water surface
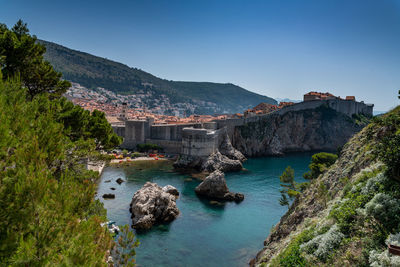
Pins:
x,y
204,234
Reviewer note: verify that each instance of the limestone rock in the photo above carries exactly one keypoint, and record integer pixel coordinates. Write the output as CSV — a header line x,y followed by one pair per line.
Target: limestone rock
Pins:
x,y
214,187
188,162
151,205
217,161
228,150
237,197
319,129
171,190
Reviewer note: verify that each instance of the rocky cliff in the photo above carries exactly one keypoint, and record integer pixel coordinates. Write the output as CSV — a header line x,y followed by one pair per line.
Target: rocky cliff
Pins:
x,y
295,131
350,214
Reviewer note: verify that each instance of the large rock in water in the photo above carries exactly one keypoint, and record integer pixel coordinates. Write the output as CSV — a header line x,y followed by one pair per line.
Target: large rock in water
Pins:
x,y
151,205
217,161
214,187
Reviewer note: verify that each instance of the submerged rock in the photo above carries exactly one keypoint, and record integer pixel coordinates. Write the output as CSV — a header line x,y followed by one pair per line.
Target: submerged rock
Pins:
x,y
214,187
108,196
151,205
120,181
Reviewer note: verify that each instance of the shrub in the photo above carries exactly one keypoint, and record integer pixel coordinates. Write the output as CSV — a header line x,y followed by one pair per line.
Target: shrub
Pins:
x,y
389,152
319,163
148,147
385,209
345,213
135,154
323,245
393,239
383,259
291,256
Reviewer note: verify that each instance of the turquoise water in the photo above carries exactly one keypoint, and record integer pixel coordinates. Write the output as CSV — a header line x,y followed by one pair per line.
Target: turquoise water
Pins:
x,y
228,234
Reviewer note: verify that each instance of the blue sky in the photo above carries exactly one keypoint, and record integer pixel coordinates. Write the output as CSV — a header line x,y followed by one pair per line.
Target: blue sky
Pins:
x,y
280,48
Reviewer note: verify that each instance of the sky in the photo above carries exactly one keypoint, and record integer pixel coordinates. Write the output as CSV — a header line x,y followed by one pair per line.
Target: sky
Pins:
x,y
278,48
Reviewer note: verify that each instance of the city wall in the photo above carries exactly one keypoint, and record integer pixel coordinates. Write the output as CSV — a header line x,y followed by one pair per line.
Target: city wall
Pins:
x,y
203,138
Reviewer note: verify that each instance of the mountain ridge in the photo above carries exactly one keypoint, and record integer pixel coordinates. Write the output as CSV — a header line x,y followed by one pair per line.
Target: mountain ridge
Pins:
x,y
92,71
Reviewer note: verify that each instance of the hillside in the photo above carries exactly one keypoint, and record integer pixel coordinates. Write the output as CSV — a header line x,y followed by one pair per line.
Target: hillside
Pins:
x,y
351,212
92,72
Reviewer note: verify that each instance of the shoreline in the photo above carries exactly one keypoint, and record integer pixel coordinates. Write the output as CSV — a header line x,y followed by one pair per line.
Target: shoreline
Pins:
x,y
124,160
97,166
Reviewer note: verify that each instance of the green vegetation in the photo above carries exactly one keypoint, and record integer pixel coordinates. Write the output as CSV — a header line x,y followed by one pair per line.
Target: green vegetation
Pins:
x,y
92,72
48,214
291,255
320,162
148,147
360,197
290,187
22,56
81,124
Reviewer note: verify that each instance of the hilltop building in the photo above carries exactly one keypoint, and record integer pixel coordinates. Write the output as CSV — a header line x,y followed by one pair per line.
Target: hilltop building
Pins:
x,y
318,96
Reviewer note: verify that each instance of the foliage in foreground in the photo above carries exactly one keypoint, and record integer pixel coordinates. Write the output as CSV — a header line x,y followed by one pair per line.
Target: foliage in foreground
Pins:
x,y
48,214
22,56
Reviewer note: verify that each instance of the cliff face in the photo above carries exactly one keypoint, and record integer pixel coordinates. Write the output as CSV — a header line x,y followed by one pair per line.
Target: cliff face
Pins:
x,y
348,215
295,131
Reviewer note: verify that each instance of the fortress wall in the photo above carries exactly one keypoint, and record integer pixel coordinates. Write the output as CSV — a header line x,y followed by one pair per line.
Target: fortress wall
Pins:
x,y
119,130
170,131
199,142
230,125
170,147
346,107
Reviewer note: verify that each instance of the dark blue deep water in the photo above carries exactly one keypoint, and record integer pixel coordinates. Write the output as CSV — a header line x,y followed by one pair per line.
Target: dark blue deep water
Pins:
x,y
204,234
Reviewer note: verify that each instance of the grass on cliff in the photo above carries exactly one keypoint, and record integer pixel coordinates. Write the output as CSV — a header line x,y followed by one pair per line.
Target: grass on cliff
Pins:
x,y
364,215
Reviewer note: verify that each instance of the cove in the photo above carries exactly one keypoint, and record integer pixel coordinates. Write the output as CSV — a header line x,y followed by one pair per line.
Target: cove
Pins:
x,y
204,234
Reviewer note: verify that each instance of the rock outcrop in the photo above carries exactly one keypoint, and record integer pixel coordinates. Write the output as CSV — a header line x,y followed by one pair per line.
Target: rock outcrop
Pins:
x,y
321,129
152,204
214,187
216,161
220,162
228,150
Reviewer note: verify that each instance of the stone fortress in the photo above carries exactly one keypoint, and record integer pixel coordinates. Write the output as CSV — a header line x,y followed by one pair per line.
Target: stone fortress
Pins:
x,y
203,139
